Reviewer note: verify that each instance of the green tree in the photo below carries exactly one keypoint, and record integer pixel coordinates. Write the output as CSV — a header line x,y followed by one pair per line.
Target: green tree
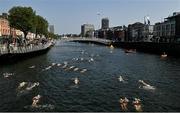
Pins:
x,y
41,26
22,18
52,35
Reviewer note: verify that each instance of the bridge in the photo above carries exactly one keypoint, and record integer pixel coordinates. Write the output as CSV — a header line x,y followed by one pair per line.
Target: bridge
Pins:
x,y
91,40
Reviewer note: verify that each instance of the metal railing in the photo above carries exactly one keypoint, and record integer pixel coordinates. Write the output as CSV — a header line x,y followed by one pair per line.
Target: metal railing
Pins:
x,y
104,41
23,49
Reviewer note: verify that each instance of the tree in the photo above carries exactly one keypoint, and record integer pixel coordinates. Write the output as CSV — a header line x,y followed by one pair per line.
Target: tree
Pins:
x,y
22,18
51,35
41,25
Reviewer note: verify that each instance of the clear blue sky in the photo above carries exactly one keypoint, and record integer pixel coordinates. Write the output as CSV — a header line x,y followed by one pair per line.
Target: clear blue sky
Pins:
x,y
68,15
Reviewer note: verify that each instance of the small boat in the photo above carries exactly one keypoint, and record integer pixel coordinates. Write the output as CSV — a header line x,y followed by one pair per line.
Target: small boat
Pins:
x,y
76,81
164,55
111,46
130,51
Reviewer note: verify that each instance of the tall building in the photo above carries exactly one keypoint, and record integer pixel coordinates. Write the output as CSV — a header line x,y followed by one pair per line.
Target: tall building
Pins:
x,y
169,30
4,26
87,30
135,32
105,23
51,28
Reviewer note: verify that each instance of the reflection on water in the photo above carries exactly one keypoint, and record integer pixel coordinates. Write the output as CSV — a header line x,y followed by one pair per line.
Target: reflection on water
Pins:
x,y
87,77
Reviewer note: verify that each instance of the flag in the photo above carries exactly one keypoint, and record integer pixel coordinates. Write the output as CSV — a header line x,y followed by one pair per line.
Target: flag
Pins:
x,y
145,20
148,20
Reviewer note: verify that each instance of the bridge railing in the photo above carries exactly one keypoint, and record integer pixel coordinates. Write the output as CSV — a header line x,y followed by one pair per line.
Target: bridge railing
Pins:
x,y
104,41
23,49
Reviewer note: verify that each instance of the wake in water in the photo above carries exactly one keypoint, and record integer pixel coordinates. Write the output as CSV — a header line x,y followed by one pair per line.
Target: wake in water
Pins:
x,y
146,86
7,75
25,87
76,69
83,70
53,64
47,68
59,64
36,107
45,107
121,79
32,67
76,83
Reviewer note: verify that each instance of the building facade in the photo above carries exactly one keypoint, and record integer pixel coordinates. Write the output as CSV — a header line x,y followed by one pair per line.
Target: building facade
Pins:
x,y
147,33
87,30
135,32
105,23
4,27
169,30
51,29
117,33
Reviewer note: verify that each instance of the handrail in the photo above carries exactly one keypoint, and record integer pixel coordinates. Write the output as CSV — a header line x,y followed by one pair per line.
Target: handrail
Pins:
x,y
24,49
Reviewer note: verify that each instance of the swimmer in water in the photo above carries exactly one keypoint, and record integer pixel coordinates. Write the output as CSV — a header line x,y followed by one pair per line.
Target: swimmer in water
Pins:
x,y
91,60
76,59
76,81
53,64
137,104
32,86
71,67
31,67
7,75
49,67
35,100
76,69
58,65
146,86
121,79
124,103
22,84
82,59
65,65
83,70
141,81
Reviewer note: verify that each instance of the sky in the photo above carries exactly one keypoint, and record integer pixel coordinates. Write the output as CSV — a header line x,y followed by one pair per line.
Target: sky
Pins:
x,y
67,16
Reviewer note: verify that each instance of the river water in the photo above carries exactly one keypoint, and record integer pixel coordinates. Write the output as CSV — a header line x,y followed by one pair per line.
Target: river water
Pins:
x,y
99,88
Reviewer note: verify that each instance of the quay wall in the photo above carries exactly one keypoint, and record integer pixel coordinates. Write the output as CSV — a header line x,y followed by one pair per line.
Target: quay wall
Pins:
x,y
12,55
151,47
